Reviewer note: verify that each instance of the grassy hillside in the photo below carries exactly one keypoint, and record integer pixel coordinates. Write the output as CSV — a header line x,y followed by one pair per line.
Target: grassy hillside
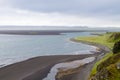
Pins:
x,y
107,67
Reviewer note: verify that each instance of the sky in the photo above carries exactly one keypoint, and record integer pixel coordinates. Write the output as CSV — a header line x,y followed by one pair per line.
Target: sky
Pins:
x,y
94,13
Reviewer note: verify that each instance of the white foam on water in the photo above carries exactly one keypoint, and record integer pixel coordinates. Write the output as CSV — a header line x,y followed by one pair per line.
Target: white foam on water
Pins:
x,y
83,52
10,60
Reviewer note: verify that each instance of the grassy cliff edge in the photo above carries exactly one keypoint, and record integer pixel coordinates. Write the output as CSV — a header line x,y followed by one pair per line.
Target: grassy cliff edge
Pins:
x,y
105,68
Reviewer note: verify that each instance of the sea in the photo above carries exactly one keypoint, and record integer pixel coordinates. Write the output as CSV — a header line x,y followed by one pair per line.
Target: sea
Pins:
x,y
16,48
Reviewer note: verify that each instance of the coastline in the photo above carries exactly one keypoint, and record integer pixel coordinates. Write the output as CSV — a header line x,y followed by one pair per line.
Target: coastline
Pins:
x,y
101,47
37,68
37,32
43,32
84,72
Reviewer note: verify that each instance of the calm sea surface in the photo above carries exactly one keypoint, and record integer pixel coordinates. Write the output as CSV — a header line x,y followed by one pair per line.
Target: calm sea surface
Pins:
x,y
15,48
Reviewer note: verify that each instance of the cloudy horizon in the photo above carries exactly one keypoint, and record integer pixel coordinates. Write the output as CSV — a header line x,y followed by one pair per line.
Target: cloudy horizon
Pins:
x,y
94,13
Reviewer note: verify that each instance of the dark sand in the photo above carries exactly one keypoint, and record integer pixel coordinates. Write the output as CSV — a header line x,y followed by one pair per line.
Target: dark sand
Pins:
x,y
37,32
42,32
35,68
38,68
81,74
84,72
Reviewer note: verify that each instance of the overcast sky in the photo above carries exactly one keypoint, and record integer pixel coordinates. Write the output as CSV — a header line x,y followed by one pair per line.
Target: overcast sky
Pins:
x,y
60,12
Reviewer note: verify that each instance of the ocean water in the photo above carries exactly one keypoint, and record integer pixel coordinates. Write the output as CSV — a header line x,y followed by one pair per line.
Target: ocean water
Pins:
x,y
15,48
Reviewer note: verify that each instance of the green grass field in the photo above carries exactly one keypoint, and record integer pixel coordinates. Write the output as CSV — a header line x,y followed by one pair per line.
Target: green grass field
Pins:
x,y
98,39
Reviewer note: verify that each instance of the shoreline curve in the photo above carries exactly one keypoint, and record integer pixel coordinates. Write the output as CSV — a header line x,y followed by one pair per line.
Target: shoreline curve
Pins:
x,y
84,73
37,68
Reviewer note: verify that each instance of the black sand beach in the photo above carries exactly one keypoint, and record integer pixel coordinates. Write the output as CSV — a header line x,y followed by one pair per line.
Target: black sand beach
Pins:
x,y
85,70
35,68
38,68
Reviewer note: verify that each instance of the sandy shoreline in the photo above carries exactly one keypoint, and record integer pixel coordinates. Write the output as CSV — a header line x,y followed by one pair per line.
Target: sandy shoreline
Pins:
x,y
85,70
101,47
35,68
38,68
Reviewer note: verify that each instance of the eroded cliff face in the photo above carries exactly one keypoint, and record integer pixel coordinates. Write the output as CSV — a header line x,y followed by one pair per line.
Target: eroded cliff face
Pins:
x,y
109,69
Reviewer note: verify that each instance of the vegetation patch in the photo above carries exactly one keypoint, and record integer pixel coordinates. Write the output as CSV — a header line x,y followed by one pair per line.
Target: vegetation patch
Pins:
x,y
94,69
114,37
108,68
116,48
98,39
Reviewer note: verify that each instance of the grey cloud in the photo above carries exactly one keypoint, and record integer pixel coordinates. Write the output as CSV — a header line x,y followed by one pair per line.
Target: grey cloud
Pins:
x,y
80,7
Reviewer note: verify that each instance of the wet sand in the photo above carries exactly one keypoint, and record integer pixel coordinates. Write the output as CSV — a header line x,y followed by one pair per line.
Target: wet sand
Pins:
x,y
35,68
38,68
84,72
